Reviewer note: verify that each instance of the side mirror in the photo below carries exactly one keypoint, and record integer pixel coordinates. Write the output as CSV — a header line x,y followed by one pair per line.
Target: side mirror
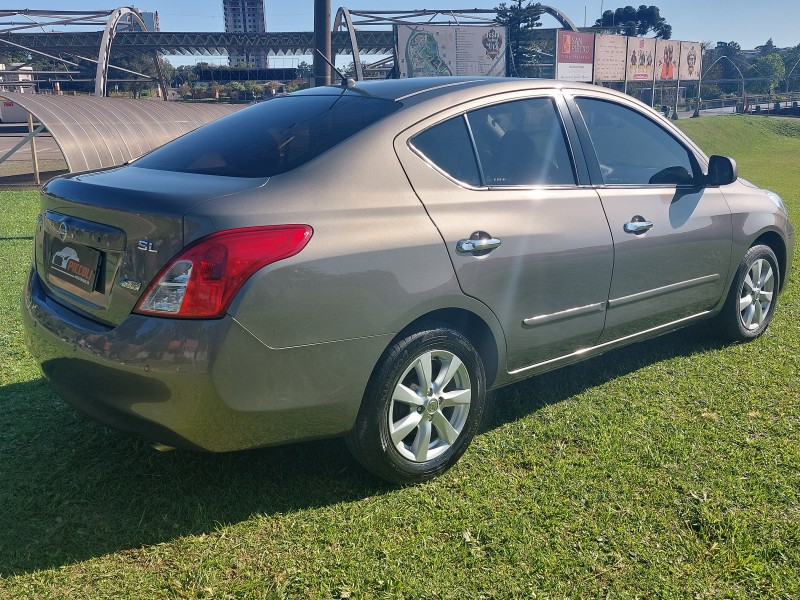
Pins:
x,y
721,171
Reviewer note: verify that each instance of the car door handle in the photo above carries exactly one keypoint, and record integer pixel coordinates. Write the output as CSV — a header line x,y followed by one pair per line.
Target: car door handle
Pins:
x,y
637,226
482,246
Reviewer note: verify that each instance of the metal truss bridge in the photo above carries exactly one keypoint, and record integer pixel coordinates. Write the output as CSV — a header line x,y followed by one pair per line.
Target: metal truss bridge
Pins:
x,y
292,43
127,31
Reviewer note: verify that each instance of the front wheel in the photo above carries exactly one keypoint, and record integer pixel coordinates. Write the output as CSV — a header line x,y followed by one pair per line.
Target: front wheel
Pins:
x,y
753,295
421,408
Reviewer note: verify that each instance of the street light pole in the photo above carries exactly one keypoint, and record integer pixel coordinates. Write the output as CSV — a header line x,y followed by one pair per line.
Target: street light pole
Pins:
x,y
322,42
698,99
787,81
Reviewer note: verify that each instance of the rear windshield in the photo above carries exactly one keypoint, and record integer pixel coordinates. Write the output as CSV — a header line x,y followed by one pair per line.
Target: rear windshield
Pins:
x,y
269,138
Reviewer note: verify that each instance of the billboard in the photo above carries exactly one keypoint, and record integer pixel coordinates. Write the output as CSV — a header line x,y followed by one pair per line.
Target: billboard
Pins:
x,y
667,56
429,50
640,59
691,61
609,57
574,56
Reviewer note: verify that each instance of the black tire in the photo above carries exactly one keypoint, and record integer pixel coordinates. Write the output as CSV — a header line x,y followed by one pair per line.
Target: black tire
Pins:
x,y
751,303
394,400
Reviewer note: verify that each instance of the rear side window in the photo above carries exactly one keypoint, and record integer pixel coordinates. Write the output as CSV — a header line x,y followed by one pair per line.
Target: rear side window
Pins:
x,y
447,145
522,143
270,138
519,143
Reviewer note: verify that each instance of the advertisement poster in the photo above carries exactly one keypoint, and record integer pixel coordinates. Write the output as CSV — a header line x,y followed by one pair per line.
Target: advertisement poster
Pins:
x,y
641,59
609,57
431,50
691,61
574,56
667,56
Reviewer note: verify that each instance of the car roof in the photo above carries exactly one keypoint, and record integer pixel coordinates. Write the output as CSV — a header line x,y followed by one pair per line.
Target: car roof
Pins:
x,y
418,89
402,89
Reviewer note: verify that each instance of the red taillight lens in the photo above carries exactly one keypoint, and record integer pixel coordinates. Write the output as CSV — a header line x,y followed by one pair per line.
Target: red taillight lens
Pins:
x,y
201,281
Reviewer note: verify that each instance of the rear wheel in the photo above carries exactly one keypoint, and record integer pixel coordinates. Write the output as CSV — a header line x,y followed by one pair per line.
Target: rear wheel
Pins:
x,y
421,408
753,295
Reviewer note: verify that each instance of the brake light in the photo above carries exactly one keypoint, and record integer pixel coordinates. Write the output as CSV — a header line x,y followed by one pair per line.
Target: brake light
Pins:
x,y
201,281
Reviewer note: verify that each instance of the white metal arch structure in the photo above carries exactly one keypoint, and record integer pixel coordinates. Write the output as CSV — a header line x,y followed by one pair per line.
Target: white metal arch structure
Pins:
x,y
109,32
94,132
471,16
560,17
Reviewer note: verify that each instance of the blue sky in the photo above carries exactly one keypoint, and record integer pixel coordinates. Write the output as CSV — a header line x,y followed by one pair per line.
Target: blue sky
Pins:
x,y
748,22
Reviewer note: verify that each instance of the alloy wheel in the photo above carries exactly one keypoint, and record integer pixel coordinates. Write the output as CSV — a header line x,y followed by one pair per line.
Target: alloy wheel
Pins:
x,y
429,405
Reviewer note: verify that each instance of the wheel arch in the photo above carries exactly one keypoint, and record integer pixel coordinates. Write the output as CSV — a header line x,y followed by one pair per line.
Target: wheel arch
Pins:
x,y
470,325
775,243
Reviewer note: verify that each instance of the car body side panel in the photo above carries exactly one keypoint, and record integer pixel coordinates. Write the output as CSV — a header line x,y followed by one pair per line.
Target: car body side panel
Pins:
x,y
547,283
676,269
275,396
344,286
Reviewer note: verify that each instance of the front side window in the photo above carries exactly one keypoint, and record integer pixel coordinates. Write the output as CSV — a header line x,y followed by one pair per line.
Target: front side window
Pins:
x,y
632,149
270,138
522,143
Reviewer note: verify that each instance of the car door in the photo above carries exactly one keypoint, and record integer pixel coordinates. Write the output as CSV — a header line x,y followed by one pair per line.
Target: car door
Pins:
x,y
672,236
523,236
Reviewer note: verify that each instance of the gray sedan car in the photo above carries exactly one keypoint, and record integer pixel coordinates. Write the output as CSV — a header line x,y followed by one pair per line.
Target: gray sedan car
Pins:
x,y
367,260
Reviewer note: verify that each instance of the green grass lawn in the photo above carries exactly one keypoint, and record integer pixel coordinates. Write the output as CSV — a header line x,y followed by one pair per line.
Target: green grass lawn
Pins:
x,y
669,469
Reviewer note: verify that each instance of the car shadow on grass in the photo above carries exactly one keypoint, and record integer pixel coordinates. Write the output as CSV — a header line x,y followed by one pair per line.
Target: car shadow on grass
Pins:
x,y
513,402
73,489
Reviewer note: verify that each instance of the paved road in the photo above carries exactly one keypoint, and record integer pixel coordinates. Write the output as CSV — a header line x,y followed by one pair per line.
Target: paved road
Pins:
x,y
46,148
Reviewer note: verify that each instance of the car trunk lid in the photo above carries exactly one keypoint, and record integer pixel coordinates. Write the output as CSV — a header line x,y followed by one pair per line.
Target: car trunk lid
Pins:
x,y
103,236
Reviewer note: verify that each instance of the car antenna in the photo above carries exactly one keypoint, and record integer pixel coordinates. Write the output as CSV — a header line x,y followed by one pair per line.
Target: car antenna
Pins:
x,y
347,82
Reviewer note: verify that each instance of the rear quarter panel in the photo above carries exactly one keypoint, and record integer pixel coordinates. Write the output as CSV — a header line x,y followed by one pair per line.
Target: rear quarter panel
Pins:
x,y
374,264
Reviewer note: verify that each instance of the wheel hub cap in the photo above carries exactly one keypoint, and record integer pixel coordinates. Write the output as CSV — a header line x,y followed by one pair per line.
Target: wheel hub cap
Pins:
x,y
433,406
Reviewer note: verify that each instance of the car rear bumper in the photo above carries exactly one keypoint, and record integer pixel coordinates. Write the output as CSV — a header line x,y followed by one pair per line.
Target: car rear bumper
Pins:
x,y
200,384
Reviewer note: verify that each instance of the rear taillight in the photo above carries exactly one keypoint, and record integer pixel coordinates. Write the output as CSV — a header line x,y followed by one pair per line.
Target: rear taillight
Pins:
x,y
201,281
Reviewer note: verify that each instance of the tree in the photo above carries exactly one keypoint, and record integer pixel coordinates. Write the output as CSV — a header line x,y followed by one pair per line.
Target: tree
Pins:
x,y
791,63
767,49
634,22
271,88
350,69
236,90
14,56
520,22
253,90
771,67
183,74
305,70
141,63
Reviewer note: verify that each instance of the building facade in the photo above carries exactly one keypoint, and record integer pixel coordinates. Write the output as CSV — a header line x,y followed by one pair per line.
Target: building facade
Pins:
x,y
150,20
246,16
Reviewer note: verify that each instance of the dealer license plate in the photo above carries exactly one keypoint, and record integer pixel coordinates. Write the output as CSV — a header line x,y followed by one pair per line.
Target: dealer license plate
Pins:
x,y
73,264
